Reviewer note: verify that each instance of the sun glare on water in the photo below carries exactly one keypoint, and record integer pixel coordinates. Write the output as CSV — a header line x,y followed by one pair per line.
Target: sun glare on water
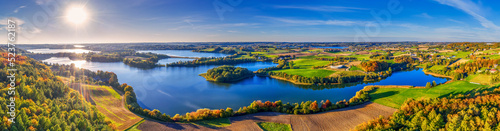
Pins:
x,y
77,15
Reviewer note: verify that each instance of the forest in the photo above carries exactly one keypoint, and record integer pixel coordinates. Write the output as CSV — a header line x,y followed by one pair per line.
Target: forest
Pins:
x,y
474,111
140,63
227,73
44,102
213,61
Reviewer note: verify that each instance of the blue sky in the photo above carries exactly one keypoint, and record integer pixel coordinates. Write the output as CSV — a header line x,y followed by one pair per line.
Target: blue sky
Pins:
x,y
109,21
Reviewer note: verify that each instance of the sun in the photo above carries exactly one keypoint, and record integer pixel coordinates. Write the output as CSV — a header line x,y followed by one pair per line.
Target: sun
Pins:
x,y
77,15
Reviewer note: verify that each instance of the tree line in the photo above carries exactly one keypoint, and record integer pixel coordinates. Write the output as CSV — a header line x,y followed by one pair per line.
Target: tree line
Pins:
x,y
468,112
338,58
227,73
212,61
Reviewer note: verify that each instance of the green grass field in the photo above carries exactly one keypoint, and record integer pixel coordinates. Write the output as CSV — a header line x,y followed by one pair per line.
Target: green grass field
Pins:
x,y
305,68
220,122
378,51
354,68
309,72
309,63
394,97
437,67
271,126
480,78
458,54
362,57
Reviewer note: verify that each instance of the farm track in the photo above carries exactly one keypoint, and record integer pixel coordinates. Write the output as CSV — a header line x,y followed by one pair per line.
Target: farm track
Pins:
x,y
336,120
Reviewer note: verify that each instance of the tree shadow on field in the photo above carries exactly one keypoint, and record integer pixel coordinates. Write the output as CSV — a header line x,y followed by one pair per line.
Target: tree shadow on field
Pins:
x,y
376,96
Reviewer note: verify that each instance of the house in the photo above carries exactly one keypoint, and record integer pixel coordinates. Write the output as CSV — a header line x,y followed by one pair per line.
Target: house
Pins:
x,y
337,66
493,70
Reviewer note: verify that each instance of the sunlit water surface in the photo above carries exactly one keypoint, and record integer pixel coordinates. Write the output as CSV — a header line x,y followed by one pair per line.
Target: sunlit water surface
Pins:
x,y
175,90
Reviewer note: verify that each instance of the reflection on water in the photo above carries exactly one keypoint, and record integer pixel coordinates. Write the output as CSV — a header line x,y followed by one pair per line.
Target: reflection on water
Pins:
x,y
65,60
48,51
180,89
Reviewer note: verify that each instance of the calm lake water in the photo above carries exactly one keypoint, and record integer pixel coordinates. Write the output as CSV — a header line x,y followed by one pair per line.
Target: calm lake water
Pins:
x,y
179,90
48,51
185,53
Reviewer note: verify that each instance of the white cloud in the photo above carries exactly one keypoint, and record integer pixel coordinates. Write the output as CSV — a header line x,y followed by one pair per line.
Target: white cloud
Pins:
x,y
456,21
15,19
4,22
472,9
35,30
323,8
318,22
19,8
412,26
215,26
42,2
424,15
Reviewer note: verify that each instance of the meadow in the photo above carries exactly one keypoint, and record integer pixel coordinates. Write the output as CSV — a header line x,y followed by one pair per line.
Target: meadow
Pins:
x,y
395,97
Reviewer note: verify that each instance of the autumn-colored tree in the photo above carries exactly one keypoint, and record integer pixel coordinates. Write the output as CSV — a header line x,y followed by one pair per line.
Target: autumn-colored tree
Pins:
x,y
314,106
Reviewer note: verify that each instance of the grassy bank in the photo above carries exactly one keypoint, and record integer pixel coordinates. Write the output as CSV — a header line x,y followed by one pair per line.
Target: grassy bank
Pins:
x,y
395,97
271,126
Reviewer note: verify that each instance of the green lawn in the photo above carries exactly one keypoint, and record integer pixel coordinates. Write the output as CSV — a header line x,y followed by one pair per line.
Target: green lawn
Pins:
x,y
220,122
362,57
309,63
315,56
308,72
353,68
437,67
379,51
399,53
480,78
458,54
271,126
394,97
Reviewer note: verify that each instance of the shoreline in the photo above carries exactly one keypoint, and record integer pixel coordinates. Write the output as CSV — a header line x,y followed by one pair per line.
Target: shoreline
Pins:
x,y
234,80
284,79
437,75
394,86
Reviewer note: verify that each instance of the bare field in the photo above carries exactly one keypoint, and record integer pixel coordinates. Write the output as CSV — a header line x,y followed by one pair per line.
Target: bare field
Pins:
x,y
336,120
112,107
334,55
108,102
460,62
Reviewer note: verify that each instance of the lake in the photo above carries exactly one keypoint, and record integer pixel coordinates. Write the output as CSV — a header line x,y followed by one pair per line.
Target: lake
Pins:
x,y
48,51
184,53
179,90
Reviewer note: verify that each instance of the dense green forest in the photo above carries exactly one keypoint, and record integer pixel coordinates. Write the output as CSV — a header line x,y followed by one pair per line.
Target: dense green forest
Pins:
x,y
227,73
140,63
44,102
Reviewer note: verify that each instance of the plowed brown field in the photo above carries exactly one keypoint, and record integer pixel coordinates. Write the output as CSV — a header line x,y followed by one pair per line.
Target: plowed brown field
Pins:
x,y
336,120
